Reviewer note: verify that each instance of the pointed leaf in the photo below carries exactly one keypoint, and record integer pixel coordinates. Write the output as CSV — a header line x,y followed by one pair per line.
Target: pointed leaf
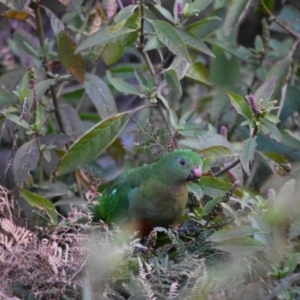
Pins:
x,y
247,154
101,96
74,63
220,154
171,39
93,142
121,85
214,187
173,82
270,129
194,42
240,104
165,13
41,203
236,10
198,73
209,206
25,160
279,164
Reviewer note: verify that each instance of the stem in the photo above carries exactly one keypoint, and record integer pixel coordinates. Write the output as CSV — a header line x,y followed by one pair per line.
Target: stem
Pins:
x,y
40,29
281,24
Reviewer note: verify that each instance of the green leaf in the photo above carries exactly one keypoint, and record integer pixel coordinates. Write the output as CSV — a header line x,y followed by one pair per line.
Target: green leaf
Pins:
x,y
74,63
173,82
171,39
220,154
110,53
247,154
209,206
240,104
235,13
100,95
121,85
292,262
209,24
165,13
265,90
41,203
224,69
232,233
194,42
270,129
280,70
271,118
214,187
173,118
93,142
103,37
279,164
201,4
198,73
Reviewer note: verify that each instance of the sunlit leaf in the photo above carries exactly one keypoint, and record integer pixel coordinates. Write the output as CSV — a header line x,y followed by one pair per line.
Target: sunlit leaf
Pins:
x,y
17,15
198,73
279,164
220,154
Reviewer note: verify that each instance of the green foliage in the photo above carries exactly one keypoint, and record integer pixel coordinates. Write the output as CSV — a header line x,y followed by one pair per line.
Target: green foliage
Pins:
x,y
122,85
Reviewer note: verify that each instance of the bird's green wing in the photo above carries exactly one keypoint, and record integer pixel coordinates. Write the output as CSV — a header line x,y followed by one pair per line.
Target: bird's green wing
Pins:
x,y
114,203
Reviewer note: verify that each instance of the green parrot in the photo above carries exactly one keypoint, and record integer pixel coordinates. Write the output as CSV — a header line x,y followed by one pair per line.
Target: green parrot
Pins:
x,y
151,195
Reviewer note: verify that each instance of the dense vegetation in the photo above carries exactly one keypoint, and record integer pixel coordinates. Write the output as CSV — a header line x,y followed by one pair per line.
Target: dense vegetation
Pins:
x,y
89,89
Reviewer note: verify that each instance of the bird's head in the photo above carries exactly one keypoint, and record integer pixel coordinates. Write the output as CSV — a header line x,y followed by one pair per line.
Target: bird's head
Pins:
x,y
181,166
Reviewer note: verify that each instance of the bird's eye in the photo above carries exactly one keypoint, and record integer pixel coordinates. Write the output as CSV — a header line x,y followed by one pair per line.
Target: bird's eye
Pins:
x,y
182,162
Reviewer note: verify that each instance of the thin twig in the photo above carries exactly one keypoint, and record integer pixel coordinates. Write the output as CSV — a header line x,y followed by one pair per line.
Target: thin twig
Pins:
x,y
280,23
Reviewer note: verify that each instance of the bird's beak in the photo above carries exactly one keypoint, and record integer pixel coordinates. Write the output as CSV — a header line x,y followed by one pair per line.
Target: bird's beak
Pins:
x,y
195,174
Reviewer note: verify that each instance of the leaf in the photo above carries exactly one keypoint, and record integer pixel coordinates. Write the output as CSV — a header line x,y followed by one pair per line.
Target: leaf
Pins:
x,y
16,15
235,13
209,206
232,233
172,81
194,42
279,164
171,39
93,142
209,24
292,262
41,88
247,154
240,104
102,37
110,53
117,152
198,73
19,4
121,85
265,90
270,129
280,70
165,13
201,4
220,154
74,63
215,187
41,203
224,69
25,160
100,94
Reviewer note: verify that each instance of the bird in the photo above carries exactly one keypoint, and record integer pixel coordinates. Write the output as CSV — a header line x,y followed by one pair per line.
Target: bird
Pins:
x,y
151,195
